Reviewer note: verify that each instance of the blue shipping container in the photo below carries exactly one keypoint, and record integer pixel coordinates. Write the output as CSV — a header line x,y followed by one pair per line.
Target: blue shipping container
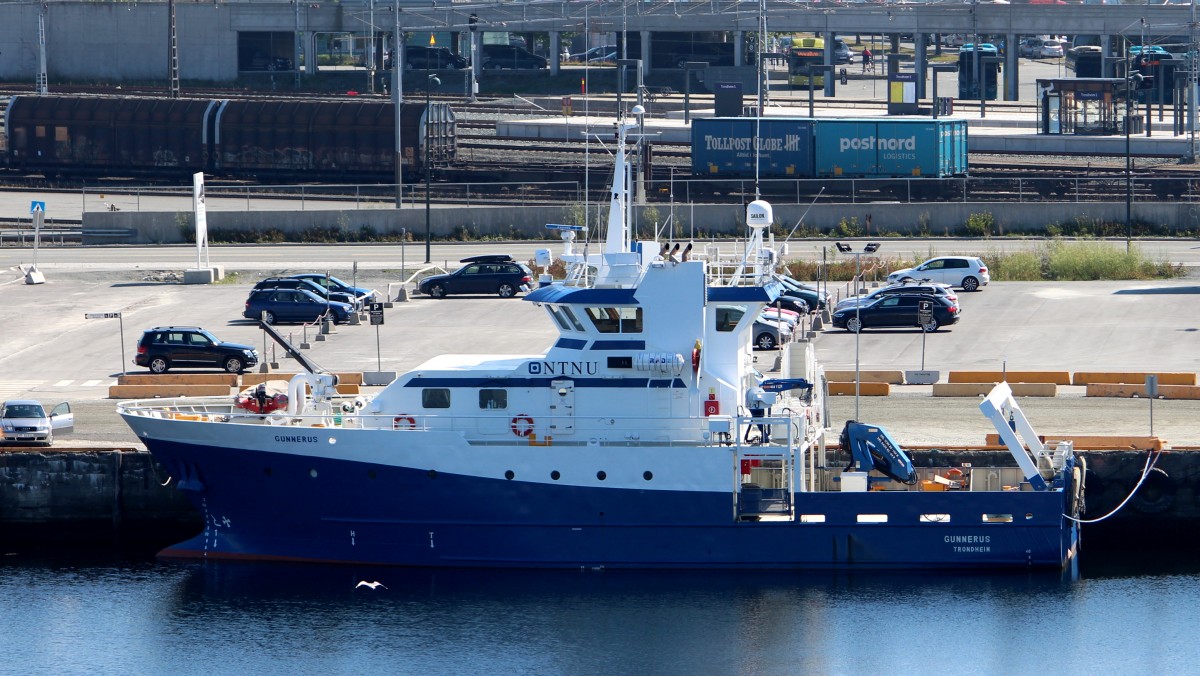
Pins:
x,y
890,148
725,147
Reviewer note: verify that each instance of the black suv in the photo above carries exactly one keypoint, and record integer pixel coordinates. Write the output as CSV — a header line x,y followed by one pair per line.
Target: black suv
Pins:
x,y
498,274
302,284
421,57
162,347
509,56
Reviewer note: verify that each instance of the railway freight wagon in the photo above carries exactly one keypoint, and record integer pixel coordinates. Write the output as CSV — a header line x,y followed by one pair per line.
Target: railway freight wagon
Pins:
x,y
87,136
342,139
237,138
804,148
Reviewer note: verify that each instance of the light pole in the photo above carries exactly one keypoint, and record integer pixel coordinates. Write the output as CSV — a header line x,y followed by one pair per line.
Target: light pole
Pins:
x,y
870,248
398,101
433,82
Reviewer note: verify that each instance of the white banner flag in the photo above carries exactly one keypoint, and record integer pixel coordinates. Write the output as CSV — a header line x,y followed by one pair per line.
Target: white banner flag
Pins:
x,y
201,219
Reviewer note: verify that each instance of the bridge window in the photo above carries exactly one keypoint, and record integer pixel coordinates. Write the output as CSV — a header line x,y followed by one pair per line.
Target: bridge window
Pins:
x,y
616,319
435,397
728,317
493,399
935,518
872,518
571,317
812,518
997,518
561,320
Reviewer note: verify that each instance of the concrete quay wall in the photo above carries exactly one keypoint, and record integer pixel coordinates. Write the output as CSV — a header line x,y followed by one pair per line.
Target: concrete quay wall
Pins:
x,y
98,497
90,496
702,220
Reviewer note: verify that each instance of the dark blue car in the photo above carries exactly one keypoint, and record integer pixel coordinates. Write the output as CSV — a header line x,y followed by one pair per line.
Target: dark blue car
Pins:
x,y
293,305
334,284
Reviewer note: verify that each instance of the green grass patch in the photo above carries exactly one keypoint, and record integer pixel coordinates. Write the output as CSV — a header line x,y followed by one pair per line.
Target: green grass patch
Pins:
x,y
1053,260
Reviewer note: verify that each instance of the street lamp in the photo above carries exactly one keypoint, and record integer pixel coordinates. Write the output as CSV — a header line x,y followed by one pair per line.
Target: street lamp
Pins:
x,y
433,82
870,248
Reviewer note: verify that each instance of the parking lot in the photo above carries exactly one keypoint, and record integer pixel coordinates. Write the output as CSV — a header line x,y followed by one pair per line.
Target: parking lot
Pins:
x,y
51,352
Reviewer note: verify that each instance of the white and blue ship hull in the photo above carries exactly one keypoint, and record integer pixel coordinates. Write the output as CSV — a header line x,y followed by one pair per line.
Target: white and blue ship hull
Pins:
x,y
271,505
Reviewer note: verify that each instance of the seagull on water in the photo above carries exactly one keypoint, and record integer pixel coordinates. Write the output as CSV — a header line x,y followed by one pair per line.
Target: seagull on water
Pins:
x,y
373,585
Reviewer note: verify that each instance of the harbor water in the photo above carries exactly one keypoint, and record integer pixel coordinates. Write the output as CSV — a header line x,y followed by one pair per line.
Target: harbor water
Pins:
x,y
140,616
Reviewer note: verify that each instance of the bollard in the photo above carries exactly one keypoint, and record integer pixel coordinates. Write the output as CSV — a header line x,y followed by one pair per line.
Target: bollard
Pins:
x,y
304,342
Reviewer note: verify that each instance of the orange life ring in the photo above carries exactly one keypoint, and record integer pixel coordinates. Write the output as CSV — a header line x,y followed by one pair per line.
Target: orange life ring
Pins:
x,y
522,425
404,422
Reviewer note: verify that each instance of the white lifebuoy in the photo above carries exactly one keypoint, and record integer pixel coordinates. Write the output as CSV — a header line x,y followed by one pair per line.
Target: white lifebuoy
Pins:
x,y
522,425
402,422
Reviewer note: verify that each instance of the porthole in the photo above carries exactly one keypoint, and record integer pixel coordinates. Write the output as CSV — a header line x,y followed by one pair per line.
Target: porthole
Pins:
x,y
371,474
433,474
509,475
601,475
312,473
647,475
332,441
267,471
555,475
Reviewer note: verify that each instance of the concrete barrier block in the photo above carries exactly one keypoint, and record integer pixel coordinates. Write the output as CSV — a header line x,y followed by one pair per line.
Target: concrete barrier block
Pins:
x,y
227,379
1055,377
865,389
872,376
1084,442
1132,377
168,391
981,389
1034,389
1131,390
961,389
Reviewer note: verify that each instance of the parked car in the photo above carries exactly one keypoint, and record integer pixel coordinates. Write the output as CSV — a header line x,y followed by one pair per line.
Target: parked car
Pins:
x,y
163,347
293,305
1040,47
894,312
842,52
1052,49
931,288
593,53
320,290
816,298
25,421
498,274
509,56
792,303
965,272
424,57
361,294
767,335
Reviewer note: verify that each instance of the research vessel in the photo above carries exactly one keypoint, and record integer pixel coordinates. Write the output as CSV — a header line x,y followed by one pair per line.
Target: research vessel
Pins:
x,y
627,443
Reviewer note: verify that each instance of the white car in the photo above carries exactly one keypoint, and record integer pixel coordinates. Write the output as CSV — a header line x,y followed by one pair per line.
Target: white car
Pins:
x,y
25,421
965,272
1052,49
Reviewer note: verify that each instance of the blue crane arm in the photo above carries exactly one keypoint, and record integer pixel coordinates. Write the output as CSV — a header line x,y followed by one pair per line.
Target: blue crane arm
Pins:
x,y
871,447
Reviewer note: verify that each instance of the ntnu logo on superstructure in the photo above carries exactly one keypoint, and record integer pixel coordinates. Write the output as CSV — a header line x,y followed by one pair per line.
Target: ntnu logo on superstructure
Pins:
x,y
876,143
563,368
787,142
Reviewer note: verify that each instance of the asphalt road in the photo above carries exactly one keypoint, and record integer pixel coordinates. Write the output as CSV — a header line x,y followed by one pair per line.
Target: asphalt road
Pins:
x,y
390,259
